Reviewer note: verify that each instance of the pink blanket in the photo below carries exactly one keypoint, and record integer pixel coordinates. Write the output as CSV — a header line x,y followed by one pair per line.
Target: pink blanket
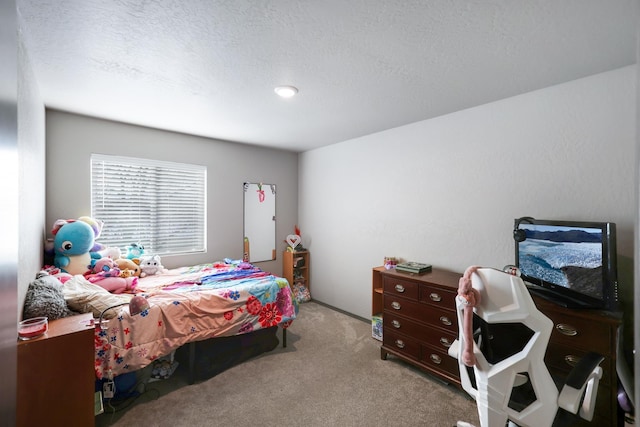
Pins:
x,y
191,304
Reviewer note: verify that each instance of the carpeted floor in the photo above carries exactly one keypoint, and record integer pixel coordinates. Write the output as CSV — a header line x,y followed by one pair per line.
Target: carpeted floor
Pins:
x,y
330,374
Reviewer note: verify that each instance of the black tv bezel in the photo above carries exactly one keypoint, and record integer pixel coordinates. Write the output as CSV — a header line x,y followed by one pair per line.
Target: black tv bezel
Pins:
x,y
567,297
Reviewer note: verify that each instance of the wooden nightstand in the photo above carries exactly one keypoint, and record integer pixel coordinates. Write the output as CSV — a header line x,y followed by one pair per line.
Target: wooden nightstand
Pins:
x,y
56,379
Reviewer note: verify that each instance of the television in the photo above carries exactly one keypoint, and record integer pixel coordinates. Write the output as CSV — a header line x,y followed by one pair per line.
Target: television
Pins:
x,y
571,263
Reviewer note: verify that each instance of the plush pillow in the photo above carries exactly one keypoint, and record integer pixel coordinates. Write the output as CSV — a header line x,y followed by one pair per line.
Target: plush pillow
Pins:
x,y
85,297
45,298
301,292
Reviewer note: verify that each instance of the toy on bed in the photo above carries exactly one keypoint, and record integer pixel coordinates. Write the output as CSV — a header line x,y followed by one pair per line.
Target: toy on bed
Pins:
x,y
150,265
54,271
74,244
112,252
106,274
135,250
129,267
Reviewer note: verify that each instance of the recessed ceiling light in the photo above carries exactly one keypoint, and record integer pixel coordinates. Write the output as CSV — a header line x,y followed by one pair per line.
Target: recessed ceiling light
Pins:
x,y
286,91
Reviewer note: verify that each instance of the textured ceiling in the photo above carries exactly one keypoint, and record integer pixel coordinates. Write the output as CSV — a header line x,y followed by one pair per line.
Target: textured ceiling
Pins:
x,y
208,67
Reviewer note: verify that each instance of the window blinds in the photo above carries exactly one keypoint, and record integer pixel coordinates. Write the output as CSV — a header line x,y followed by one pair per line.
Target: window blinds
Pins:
x,y
161,205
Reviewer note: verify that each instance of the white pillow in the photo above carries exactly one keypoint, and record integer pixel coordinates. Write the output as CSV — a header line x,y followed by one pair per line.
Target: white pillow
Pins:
x,y
85,297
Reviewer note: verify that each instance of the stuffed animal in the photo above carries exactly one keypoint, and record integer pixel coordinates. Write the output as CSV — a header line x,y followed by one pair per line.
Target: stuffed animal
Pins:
x,y
150,265
125,264
105,267
110,252
135,250
470,297
106,274
56,272
115,285
74,244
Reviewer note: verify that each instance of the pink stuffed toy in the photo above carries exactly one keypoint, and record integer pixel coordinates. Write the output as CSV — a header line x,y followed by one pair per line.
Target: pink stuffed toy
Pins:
x,y
470,298
106,274
57,273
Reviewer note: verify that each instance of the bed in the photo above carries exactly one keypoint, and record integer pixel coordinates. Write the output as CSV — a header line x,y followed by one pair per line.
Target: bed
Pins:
x,y
186,305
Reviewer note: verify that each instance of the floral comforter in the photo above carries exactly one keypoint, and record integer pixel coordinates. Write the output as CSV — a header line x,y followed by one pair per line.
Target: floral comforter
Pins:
x,y
191,304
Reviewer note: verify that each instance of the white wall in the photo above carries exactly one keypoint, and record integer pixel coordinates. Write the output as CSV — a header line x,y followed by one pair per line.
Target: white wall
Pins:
x,y
72,138
9,151
31,167
446,191
22,189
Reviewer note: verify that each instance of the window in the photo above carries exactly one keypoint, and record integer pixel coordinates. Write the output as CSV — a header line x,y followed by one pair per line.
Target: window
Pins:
x,y
161,205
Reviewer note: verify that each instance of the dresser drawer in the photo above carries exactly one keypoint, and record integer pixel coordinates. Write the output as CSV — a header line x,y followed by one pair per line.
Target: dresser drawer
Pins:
x,y
562,359
435,360
409,347
438,297
582,333
401,287
435,337
445,319
439,361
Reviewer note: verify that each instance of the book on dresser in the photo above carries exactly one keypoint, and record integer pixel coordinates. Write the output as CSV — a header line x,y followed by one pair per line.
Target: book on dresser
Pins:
x,y
413,267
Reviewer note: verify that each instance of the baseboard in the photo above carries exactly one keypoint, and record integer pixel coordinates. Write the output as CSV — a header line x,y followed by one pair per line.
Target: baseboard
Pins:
x,y
355,316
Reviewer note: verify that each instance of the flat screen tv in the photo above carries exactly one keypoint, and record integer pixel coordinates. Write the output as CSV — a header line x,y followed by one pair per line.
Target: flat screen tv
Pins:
x,y
571,263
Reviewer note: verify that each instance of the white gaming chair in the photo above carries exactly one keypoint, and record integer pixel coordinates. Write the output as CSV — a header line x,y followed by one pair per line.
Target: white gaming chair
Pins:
x,y
510,381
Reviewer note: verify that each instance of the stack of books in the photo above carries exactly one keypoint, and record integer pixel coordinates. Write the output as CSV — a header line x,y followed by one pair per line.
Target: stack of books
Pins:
x,y
413,267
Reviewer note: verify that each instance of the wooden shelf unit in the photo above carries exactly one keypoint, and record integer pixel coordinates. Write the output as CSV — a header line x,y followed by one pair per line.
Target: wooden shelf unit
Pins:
x,y
296,271
376,291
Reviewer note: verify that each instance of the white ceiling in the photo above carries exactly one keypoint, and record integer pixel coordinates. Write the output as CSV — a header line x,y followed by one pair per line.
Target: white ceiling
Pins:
x,y
208,67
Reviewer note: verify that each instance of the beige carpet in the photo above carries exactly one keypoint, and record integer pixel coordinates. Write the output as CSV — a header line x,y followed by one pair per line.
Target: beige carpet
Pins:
x,y
330,374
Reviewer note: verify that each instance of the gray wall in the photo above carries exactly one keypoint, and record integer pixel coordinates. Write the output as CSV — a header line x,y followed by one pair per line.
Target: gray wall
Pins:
x,y
72,138
446,191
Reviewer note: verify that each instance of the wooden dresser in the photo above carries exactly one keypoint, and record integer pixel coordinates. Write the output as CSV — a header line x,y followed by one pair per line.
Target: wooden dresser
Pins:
x,y
56,379
419,320
420,323
575,333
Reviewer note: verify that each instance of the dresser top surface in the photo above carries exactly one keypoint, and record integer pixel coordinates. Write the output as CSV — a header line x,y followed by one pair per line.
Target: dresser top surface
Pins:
x,y
64,326
435,276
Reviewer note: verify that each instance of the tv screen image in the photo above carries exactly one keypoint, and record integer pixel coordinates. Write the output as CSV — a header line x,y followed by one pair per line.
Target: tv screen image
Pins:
x,y
569,257
572,263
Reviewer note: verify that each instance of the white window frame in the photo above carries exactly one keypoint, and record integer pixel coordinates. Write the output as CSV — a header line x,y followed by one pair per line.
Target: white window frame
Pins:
x,y
160,205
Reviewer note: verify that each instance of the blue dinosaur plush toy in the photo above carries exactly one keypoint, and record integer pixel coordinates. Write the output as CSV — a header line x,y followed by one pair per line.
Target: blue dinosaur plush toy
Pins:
x,y
75,250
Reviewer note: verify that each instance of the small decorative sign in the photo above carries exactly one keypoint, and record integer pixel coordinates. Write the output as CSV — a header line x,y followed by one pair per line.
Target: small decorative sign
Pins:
x,y
293,240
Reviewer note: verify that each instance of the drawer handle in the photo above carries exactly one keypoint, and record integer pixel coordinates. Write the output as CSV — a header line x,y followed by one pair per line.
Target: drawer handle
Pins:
x,y
399,288
395,324
435,358
571,360
567,330
445,342
435,297
396,305
399,343
445,320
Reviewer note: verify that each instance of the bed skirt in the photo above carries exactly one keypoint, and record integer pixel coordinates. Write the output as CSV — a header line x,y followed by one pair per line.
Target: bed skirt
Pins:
x,y
206,359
